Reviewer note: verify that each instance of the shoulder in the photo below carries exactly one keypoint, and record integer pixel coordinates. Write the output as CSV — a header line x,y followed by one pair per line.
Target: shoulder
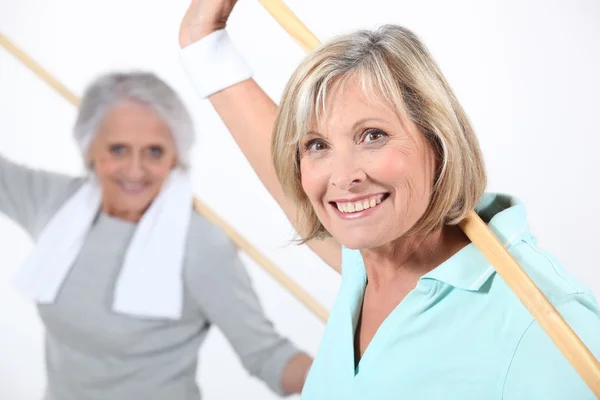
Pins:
x,y
547,272
506,216
538,369
204,234
60,189
535,367
210,252
562,289
214,274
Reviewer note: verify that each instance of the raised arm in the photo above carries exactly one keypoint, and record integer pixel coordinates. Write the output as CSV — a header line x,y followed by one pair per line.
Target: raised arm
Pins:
x,y
244,107
29,196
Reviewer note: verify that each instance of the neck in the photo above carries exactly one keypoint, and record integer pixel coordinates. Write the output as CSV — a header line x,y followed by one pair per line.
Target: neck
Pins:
x,y
408,258
130,216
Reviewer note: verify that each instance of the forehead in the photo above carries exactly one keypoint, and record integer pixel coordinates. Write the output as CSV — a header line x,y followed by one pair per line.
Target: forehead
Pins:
x,y
348,101
132,120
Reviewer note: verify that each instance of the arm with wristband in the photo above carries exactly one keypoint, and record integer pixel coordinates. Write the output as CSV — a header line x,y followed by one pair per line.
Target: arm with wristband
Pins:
x,y
220,74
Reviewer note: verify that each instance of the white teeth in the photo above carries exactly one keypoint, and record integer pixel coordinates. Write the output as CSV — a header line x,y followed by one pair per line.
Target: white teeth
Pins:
x,y
347,207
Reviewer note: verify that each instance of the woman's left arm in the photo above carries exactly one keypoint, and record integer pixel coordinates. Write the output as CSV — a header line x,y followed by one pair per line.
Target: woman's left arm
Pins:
x,y
223,290
538,370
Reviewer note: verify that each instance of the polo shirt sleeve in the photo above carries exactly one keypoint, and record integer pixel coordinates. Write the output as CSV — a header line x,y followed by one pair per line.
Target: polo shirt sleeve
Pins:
x,y
538,369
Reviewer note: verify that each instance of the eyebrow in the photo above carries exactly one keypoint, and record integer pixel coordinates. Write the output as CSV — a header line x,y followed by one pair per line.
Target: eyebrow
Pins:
x,y
368,119
354,126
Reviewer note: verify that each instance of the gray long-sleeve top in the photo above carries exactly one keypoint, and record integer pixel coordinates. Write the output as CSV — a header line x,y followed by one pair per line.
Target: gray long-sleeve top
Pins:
x,y
93,353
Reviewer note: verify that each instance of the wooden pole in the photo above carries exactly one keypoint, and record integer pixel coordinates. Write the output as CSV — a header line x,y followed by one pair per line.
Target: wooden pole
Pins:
x,y
292,24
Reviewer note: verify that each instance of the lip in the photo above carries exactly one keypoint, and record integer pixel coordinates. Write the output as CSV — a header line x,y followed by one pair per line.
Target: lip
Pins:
x,y
139,190
358,214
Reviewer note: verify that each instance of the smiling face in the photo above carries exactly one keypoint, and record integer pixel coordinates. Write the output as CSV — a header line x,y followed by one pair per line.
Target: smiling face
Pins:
x,y
367,173
132,155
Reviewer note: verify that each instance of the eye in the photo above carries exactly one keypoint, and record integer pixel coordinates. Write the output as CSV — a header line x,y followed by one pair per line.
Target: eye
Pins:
x,y
374,135
156,151
117,149
315,145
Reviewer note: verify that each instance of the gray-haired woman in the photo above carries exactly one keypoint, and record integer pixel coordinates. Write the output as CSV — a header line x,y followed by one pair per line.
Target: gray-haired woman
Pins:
x,y
127,278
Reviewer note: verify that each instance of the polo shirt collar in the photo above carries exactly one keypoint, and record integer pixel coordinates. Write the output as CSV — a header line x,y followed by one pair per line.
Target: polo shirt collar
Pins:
x,y
468,269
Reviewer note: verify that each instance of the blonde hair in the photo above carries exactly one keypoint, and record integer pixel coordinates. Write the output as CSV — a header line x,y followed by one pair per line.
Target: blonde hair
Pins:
x,y
393,64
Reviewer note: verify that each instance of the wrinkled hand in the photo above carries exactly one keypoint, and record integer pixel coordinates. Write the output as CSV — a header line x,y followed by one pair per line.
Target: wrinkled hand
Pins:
x,y
202,18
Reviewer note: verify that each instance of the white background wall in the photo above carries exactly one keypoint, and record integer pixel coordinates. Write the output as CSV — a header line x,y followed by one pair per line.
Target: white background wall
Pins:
x,y
525,71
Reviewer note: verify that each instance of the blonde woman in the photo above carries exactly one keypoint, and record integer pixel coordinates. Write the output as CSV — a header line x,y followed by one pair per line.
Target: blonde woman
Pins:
x,y
374,161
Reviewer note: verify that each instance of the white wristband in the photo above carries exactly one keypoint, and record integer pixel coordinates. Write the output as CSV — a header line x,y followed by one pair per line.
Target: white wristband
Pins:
x,y
213,63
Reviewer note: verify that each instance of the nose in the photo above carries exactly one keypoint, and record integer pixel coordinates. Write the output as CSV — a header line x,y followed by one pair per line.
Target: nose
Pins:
x,y
135,167
347,172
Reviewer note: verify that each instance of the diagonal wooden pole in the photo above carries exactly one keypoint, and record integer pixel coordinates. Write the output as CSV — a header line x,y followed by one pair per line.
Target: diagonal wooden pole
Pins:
x,y
480,234
283,279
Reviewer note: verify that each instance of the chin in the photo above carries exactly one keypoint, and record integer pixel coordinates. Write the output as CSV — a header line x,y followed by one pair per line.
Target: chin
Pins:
x,y
136,206
360,240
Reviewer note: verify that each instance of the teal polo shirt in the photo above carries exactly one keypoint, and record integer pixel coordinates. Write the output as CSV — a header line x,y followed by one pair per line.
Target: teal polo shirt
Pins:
x,y
461,333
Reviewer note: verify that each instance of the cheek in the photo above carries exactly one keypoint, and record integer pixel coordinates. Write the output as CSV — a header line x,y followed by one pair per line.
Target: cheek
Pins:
x,y
314,178
391,167
160,170
106,167
409,174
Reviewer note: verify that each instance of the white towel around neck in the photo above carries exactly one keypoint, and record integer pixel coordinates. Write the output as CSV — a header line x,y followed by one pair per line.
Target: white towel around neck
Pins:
x,y
150,283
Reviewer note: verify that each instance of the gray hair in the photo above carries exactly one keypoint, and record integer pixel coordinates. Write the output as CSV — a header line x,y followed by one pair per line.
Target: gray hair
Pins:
x,y
110,89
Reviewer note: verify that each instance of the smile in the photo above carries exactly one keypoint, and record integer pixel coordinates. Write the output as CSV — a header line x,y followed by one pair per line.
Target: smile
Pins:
x,y
356,207
133,187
